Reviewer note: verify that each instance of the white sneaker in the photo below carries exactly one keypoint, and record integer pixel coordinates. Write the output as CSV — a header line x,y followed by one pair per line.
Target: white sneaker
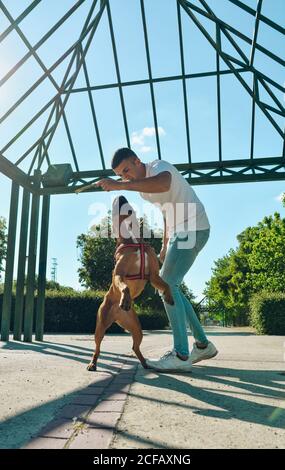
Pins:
x,y
168,362
198,354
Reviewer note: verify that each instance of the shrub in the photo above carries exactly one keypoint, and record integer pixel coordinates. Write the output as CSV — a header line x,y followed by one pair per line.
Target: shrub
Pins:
x,y
267,313
75,312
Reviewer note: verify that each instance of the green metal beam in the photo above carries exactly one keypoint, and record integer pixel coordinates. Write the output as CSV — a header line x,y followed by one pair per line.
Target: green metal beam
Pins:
x,y
224,56
195,168
150,78
255,91
7,296
30,291
51,69
254,178
19,301
254,45
28,45
256,27
70,140
218,39
15,174
19,19
186,113
228,36
118,74
94,117
39,43
92,31
42,269
158,80
230,28
263,18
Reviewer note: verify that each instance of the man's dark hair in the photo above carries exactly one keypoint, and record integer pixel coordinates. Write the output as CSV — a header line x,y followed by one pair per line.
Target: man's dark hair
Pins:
x,y
120,155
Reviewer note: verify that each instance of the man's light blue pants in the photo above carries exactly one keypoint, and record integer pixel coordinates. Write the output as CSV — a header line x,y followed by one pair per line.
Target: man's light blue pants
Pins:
x,y
182,250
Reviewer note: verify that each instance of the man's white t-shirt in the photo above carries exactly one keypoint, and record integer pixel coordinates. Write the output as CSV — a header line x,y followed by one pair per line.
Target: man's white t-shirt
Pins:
x,y
180,205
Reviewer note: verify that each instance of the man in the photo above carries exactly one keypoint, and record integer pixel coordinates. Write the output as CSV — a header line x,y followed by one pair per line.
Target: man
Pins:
x,y
186,231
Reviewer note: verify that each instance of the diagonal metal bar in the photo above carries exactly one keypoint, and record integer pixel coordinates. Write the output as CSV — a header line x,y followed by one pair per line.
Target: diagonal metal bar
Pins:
x,y
34,86
263,18
83,34
41,41
33,146
73,49
224,57
91,35
234,31
228,36
95,122
69,136
36,116
271,108
150,77
28,45
186,113
245,38
254,44
256,27
19,19
75,55
38,154
269,91
118,74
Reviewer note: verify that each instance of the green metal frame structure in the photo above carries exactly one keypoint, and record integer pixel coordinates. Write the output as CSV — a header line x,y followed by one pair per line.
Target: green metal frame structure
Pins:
x,y
36,197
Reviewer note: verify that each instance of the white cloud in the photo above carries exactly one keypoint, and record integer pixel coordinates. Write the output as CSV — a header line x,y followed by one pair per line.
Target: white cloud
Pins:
x,y
150,131
280,197
137,139
146,149
141,138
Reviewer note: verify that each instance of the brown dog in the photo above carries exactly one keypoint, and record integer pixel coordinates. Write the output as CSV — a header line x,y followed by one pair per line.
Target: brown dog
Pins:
x,y
127,284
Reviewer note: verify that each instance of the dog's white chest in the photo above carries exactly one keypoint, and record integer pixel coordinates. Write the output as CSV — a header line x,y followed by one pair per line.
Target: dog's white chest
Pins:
x,y
137,262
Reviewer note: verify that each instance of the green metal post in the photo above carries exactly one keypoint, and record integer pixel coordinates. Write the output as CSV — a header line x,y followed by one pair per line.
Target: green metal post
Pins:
x,y
18,321
42,269
29,306
7,297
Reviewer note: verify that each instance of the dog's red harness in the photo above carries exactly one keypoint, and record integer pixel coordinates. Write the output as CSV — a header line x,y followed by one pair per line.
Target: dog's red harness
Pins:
x,y
141,246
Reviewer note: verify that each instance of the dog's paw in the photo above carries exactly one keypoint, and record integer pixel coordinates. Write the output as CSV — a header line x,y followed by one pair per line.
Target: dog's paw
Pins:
x,y
92,366
168,297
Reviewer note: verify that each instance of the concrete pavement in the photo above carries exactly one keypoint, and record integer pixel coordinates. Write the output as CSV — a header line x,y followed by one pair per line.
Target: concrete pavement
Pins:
x,y
49,400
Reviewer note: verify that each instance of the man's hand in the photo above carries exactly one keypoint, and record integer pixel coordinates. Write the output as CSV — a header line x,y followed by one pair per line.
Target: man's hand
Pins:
x,y
107,184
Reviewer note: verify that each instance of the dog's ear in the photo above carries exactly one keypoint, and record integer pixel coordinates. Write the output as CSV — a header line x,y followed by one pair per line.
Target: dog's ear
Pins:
x,y
121,201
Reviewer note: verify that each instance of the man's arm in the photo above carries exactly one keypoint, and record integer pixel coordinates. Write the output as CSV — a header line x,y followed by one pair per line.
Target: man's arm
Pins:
x,y
153,184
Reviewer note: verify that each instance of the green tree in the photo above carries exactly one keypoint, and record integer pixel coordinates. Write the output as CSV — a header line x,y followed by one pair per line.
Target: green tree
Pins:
x,y
3,243
96,256
258,263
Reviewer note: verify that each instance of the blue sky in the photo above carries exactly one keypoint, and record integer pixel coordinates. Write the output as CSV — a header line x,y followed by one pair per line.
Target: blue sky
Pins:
x,y
230,207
